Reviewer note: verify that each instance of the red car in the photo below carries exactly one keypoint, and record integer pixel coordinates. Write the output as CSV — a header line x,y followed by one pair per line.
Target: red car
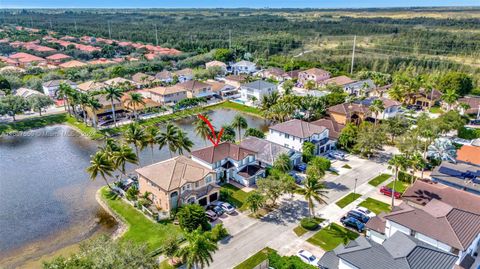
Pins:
x,y
388,192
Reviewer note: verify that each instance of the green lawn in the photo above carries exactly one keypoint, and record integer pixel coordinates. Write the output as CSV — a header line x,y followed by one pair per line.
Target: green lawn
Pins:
x,y
299,230
239,107
255,259
346,166
375,206
140,229
348,199
237,196
83,128
436,110
379,179
32,123
400,186
332,236
166,265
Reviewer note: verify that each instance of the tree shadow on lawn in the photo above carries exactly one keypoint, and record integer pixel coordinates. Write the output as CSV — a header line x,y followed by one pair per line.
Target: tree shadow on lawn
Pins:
x,y
289,212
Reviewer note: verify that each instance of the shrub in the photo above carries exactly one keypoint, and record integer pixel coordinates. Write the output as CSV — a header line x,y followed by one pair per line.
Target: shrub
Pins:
x,y
309,224
290,262
132,193
404,177
467,133
190,217
217,233
225,194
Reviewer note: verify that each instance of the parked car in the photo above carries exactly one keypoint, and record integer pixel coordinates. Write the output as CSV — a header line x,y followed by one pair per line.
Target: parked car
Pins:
x,y
212,216
302,167
357,215
230,209
298,179
365,211
337,155
474,122
307,257
215,208
388,192
352,223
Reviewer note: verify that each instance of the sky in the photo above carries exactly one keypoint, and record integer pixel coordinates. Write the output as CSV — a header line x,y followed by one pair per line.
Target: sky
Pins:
x,y
230,3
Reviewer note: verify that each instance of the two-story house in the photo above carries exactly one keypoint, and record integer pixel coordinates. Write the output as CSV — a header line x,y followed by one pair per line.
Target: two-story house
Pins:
x,y
274,73
167,95
391,108
51,87
217,64
316,75
230,162
256,90
196,89
360,88
268,151
177,181
244,67
165,76
185,74
441,216
293,133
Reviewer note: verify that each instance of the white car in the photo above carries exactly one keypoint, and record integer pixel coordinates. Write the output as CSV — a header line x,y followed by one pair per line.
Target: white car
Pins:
x,y
228,208
308,257
365,211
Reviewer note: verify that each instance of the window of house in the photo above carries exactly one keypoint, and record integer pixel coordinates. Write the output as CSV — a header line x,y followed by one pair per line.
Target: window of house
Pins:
x,y
287,136
196,184
208,179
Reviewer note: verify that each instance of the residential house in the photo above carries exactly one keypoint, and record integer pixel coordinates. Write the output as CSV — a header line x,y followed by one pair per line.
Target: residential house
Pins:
x,y
178,181
391,107
473,103
317,75
244,67
256,90
460,175
121,82
230,162
147,102
217,64
90,86
72,64
334,128
426,98
51,87
103,61
381,91
105,114
168,95
441,216
268,151
24,92
165,76
196,89
11,69
23,59
274,73
143,79
348,112
184,75
58,58
469,154
338,81
223,90
235,80
293,133
400,251
304,92
360,88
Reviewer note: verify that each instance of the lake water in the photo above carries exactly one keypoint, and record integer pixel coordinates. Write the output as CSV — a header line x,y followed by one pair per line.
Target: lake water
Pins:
x,y
46,199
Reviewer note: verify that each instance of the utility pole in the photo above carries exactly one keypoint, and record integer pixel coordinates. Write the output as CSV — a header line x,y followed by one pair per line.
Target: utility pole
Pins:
x,y
75,22
156,34
353,54
109,31
51,27
31,22
229,39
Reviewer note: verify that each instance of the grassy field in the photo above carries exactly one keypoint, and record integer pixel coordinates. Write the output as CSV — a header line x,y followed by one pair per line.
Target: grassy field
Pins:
x,y
347,199
436,110
32,123
375,206
140,229
84,129
237,196
255,259
332,236
400,186
299,230
379,179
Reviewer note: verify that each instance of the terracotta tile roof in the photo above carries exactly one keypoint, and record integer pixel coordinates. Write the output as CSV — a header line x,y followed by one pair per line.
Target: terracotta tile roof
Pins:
x,y
348,109
90,86
143,78
237,78
316,72
473,102
224,150
215,63
469,154
118,80
58,56
184,72
25,57
430,94
333,127
174,173
72,64
164,75
166,90
39,48
193,85
102,61
298,128
340,80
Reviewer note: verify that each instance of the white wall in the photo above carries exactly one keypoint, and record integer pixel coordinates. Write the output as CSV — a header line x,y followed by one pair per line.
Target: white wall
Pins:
x,y
345,265
375,236
290,142
392,227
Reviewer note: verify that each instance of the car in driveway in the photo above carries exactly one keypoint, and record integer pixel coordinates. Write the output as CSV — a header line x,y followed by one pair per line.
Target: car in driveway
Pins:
x,y
301,167
298,179
365,211
337,155
307,257
226,207
217,209
212,216
352,223
357,215
388,192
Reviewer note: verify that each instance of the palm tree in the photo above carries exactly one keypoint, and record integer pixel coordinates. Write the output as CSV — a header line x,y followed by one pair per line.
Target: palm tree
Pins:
x,y
123,156
94,105
397,163
169,138
255,200
151,137
240,123
135,135
83,101
101,164
184,142
314,190
450,97
198,251
376,108
65,90
442,149
135,99
463,107
283,163
113,94
416,162
202,129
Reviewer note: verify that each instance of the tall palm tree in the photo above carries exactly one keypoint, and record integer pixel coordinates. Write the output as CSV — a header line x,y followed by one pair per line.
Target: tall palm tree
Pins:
x,y
113,94
240,123
442,149
123,156
314,190
83,101
169,138
198,251
416,162
65,90
135,99
376,108
450,97
283,163
101,164
184,142
135,135
94,105
151,137
397,163
202,129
